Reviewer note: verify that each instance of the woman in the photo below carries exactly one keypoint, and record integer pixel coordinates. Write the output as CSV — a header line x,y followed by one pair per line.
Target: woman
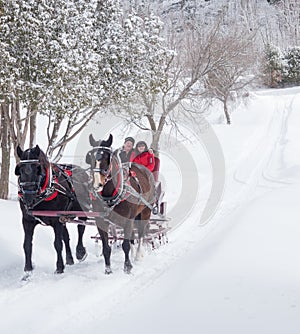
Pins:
x,y
144,156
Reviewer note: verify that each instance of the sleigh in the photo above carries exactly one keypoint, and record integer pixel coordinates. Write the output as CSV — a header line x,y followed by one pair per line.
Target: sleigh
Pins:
x,y
113,193
156,234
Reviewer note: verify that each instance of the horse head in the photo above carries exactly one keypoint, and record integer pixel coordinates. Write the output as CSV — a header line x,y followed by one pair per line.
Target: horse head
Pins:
x,y
99,158
30,171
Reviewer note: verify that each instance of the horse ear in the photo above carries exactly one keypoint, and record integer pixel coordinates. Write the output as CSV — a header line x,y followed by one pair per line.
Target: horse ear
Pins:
x,y
37,150
110,140
93,142
19,151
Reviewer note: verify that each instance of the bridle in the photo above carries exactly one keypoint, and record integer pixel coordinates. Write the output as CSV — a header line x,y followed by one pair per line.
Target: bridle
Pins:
x,y
24,185
114,174
99,156
44,188
94,158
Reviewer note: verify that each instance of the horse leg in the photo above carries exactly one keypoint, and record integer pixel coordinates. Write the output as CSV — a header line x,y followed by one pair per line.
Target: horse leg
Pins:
x,y
106,250
58,245
142,223
28,226
81,253
126,249
132,244
66,238
141,233
128,230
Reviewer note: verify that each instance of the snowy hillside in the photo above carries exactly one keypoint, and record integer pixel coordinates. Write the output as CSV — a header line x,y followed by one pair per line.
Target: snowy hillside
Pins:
x,y
238,273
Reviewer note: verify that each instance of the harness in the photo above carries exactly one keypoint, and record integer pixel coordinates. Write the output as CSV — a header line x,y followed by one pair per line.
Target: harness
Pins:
x,y
123,188
120,192
48,185
48,191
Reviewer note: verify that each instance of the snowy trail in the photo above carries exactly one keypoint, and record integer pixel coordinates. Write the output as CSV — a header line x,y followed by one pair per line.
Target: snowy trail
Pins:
x,y
241,279
214,258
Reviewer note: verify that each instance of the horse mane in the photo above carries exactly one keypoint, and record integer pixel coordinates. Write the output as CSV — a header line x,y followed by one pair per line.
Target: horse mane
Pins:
x,y
44,160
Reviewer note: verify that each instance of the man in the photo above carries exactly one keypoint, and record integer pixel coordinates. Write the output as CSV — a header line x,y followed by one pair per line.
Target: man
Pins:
x,y
127,154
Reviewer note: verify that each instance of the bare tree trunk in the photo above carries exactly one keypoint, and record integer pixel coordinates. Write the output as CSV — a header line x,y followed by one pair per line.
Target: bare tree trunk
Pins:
x,y
155,141
17,132
156,133
5,160
228,120
32,130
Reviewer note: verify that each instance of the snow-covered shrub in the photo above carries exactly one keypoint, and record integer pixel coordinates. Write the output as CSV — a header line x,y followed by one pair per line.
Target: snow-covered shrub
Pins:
x,y
272,67
292,65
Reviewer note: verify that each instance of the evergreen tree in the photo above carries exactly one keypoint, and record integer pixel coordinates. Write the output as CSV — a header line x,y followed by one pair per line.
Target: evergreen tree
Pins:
x,y
69,59
272,66
292,65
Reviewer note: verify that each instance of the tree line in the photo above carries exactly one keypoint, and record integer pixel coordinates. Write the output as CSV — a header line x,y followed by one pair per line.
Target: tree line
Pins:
x,y
150,63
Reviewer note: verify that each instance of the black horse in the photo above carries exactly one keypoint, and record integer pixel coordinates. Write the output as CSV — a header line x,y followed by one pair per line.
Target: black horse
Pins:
x,y
50,187
121,193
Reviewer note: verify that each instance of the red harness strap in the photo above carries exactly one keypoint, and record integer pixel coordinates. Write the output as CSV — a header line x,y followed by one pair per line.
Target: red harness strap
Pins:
x,y
68,171
118,181
44,187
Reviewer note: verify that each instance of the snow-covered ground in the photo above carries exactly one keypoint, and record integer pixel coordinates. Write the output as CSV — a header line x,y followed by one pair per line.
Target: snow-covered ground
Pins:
x,y
237,273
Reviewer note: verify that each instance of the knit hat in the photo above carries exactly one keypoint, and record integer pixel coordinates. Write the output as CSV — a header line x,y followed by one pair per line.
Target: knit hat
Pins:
x,y
129,139
142,143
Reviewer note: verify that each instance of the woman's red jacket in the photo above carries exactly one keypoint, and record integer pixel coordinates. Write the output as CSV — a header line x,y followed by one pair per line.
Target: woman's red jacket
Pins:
x,y
145,158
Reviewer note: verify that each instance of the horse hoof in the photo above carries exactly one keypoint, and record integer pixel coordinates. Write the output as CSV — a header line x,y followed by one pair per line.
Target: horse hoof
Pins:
x,y
139,253
108,271
81,254
59,271
139,256
69,260
127,267
127,270
26,276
